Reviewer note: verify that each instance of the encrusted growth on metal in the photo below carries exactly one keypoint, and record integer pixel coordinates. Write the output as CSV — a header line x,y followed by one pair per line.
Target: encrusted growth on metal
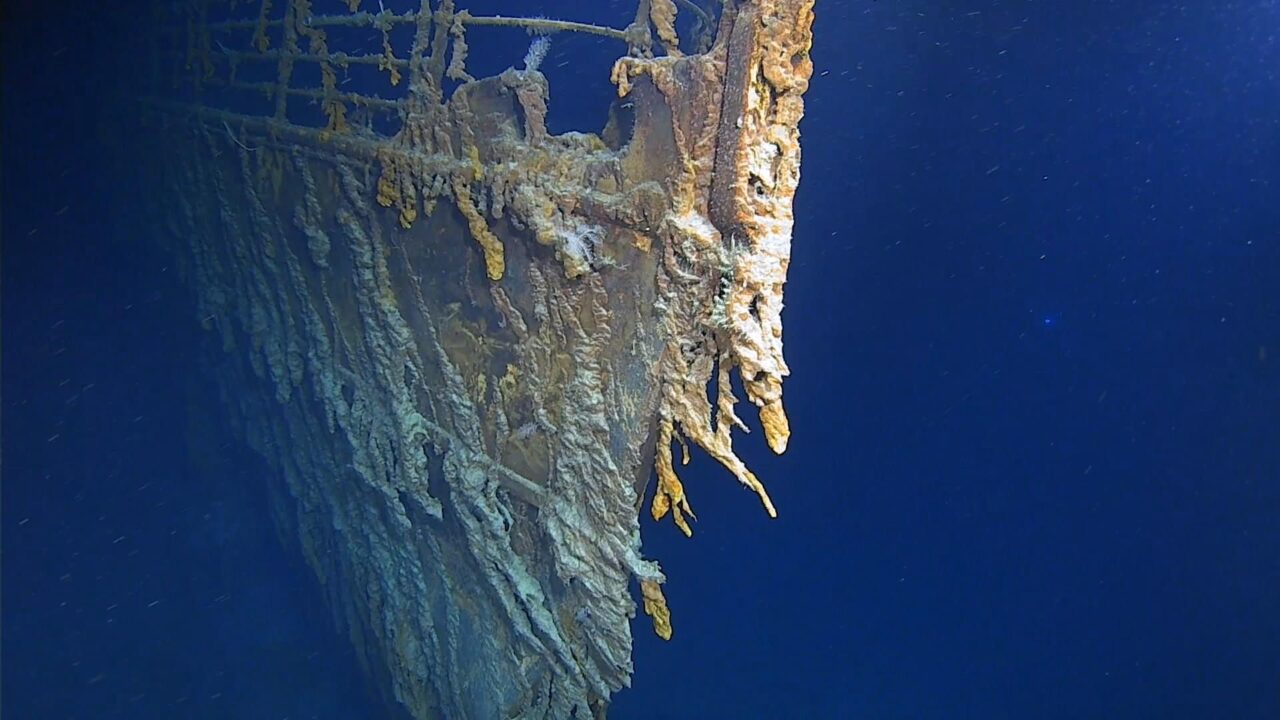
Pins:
x,y
462,344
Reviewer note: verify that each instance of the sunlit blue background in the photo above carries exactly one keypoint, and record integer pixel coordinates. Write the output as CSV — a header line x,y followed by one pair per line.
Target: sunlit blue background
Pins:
x,y
1034,325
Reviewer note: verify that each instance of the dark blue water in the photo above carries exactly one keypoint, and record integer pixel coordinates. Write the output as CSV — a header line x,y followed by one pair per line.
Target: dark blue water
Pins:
x,y
1034,327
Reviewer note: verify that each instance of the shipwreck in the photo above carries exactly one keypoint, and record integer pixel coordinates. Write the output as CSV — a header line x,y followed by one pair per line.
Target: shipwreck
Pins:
x,y
473,351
